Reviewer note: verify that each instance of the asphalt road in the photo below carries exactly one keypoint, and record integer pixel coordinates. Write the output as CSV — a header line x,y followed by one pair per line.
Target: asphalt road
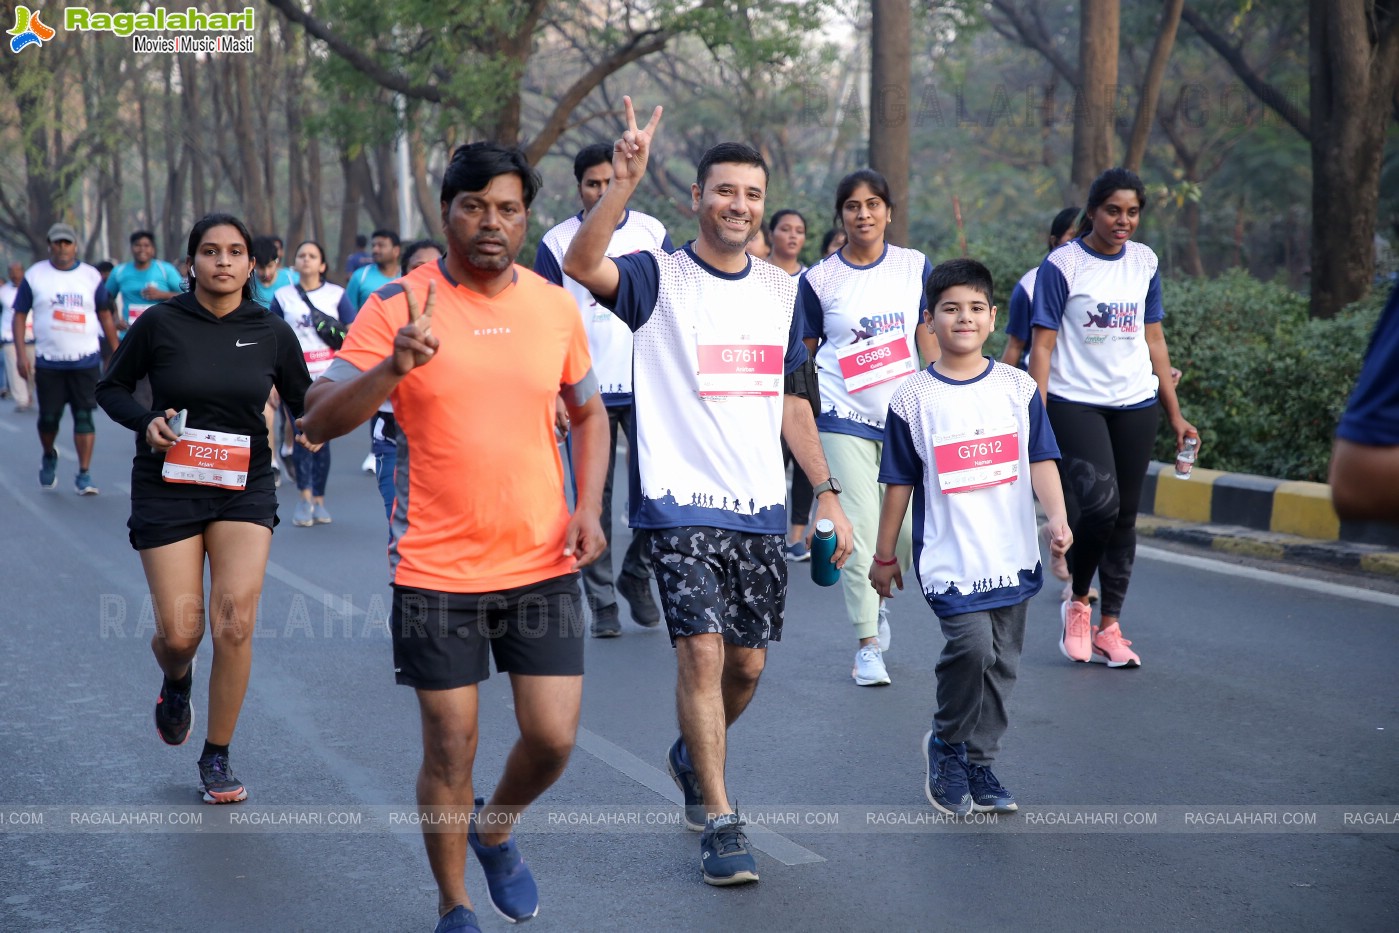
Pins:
x,y
1243,778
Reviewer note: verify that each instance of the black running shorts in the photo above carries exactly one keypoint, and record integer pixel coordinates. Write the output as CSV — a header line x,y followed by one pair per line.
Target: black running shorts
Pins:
x,y
158,521
56,388
716,581
444,640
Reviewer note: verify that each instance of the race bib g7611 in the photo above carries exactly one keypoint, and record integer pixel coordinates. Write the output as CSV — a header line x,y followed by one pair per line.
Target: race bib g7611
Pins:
x,y
738,365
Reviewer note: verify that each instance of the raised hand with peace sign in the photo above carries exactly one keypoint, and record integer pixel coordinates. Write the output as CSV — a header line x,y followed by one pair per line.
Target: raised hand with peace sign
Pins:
x,y
414,344
631,153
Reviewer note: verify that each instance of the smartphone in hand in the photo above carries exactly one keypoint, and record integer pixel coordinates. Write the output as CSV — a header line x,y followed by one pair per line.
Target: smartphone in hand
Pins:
x,y
177,423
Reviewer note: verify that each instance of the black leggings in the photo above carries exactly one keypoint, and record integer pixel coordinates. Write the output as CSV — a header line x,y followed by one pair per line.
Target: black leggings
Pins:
x,y
1105,453
802,493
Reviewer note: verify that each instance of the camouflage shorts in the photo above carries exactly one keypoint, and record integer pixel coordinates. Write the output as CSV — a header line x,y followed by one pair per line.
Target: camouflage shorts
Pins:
x,y
716,581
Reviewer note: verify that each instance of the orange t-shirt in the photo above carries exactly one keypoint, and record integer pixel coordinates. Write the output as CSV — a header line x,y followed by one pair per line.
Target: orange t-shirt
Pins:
x,y
480,502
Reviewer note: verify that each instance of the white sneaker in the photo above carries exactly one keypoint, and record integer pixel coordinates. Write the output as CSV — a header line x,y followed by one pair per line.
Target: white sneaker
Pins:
x,y
368,465
884,627
869,667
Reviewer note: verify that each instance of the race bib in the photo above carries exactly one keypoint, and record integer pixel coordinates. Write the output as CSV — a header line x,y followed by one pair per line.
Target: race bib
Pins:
x,y
208,458
968,460
70,321
133,311
318,361
867,363
738,365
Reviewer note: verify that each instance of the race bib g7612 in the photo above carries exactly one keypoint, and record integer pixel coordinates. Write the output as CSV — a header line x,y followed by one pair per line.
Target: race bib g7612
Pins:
x,y
969,460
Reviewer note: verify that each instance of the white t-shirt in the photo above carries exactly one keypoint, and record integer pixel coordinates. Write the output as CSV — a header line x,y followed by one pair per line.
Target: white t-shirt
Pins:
x,y
287,302
62,307
609,340
8,291
966,449
711,351
878,306
1100,305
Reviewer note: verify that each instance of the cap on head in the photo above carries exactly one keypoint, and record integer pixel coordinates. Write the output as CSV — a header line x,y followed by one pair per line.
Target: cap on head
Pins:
x,y
62,231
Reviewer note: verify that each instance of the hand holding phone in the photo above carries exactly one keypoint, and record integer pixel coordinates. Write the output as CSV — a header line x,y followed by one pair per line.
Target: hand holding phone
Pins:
x,y
177,423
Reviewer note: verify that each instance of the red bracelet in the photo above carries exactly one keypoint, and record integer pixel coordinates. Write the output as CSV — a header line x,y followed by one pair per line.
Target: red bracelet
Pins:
x,y
892,562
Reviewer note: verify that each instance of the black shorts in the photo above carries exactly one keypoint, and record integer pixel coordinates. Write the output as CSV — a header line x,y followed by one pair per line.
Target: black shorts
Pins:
x,y
443,640
157,521
716,581
56,388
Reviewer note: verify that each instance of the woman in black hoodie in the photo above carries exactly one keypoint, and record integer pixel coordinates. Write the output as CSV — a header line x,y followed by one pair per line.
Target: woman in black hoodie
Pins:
x,y
203,489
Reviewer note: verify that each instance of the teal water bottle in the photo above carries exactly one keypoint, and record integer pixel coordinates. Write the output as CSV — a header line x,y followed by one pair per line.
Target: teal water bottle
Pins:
x,y
823,546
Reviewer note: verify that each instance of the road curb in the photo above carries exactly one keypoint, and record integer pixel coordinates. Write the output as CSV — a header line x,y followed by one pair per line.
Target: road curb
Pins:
x,y
1267,545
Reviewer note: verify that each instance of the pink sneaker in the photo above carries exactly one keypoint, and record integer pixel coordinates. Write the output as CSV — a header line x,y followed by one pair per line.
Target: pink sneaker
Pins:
x,y
1110,648
1057,565
1076,636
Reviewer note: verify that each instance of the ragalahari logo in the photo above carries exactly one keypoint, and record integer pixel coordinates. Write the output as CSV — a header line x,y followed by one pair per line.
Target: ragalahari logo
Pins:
x,y
29,30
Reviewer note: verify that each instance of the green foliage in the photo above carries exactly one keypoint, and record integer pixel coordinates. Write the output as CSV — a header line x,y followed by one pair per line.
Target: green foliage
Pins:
x,y
1264,384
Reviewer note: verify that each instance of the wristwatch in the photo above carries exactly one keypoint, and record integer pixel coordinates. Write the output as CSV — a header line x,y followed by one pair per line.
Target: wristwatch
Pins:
x,y
830,485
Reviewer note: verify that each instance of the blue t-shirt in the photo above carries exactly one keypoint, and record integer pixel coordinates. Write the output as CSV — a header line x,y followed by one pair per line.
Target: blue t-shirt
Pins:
x,y
366,281
1372,414
262,294
127,280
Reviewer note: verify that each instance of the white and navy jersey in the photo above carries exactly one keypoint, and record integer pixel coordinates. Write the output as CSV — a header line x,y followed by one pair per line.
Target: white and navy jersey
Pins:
x,y
966,448
287,303
1018,314
1372,413
711,351
609,340
1100,305
8,292
62,306
843,305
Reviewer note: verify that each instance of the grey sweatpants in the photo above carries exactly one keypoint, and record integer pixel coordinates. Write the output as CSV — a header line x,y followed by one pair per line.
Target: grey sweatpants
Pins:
x,y
976,674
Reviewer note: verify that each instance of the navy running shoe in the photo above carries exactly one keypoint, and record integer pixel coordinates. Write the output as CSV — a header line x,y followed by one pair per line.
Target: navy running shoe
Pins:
x,y
48,470
678,763
174,716
217,780
988,796
724,855
509,884
946,783
457,920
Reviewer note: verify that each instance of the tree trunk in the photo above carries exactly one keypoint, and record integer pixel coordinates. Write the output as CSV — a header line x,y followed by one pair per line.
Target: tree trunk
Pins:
x,y
1151,85
189,97
1353,81
257,210
1096,101
429,203
148,218
349,208
890,78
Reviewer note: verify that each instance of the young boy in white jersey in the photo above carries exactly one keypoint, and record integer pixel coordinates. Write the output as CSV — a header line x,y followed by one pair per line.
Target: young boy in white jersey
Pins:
x,y
961,439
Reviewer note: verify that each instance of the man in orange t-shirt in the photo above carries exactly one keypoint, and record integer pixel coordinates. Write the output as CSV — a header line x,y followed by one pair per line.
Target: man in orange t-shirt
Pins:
x,y
473,351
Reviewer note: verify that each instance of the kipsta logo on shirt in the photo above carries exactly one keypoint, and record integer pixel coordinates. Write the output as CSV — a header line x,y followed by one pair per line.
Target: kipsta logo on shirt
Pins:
x,y
1115,316
485,331
28,30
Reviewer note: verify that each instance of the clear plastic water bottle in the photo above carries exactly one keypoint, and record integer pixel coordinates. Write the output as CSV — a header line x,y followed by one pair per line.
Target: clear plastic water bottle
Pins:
x,y
1185,459
823,547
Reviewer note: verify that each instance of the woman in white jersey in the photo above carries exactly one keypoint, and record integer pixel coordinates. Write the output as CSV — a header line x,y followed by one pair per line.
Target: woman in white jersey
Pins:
x,y
862,305
788,238
294,303
1100,358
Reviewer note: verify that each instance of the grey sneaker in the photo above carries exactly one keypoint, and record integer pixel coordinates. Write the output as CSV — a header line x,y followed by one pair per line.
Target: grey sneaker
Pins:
x,y
637,592
302,515
607,622
318,513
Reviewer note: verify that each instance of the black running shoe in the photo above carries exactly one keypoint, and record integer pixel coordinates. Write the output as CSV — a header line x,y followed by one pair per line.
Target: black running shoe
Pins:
x,y
724,855
174,715
637,592
217,780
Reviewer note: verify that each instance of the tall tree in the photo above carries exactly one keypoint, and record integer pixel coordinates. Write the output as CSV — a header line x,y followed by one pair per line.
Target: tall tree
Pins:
x,y
890,78
1151,84
1095,107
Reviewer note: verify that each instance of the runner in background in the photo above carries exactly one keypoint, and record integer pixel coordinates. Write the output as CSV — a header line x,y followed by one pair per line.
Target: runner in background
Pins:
x,y
21,388
760,247
204,498
384,249
1061,231
788,238
862,306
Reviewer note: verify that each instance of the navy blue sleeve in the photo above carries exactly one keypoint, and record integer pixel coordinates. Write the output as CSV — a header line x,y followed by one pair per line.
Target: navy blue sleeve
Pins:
x,y
796,350
1051,295
809,307
1154,311
346,310
24,298
1043,445
923,290
276,308
666,245
101,297
900,463
638,288
1018,317
1372,414
547,264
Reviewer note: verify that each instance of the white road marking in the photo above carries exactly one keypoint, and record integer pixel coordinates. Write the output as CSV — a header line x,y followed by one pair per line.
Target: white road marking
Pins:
x,y
1268,576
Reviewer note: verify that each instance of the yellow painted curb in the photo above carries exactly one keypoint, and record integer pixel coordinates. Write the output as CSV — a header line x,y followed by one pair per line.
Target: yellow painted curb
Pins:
x,y
1187,499
1250,547
1305,509
1386,563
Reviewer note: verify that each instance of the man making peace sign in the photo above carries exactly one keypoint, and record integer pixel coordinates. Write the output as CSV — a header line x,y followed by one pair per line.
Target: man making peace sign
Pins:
x,y
484,555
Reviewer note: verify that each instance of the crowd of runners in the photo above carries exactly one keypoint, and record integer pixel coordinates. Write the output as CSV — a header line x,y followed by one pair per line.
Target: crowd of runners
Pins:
x,y
734,378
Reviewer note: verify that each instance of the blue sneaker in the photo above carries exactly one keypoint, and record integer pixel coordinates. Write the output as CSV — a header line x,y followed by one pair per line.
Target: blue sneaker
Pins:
x,y
796,552
48,470
84,485
724,855
457,920
946,782
509,884
678,763
988,796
